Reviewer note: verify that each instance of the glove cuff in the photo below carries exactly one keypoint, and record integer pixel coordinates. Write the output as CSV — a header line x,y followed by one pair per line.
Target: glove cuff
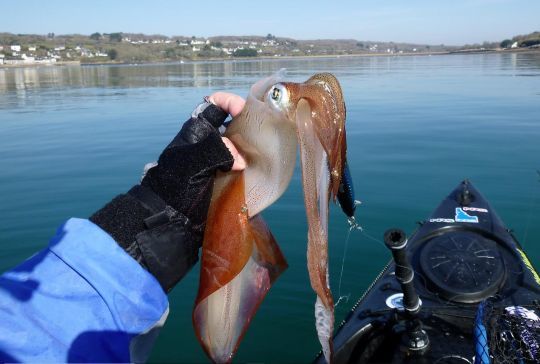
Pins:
x,y
161,222
161,239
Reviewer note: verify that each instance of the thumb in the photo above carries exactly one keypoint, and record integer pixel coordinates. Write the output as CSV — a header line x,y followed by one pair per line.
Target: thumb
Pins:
x,y
239,161
228,102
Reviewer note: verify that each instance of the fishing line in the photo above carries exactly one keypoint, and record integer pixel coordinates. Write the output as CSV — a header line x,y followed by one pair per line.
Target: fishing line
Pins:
x,y
353,225
345,297
416,273
373,238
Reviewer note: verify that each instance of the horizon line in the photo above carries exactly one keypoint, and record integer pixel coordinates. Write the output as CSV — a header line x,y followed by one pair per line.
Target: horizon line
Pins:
x,y
259,36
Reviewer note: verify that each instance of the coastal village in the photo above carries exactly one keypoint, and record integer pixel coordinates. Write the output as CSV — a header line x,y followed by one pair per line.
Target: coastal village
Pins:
x,y
107,48
21,50
27,54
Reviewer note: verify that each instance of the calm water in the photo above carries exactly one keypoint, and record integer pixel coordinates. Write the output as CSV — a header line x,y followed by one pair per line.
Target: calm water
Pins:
x,y
72,138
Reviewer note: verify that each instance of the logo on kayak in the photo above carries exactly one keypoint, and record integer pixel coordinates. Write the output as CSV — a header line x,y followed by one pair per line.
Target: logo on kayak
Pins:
x,y
462,216
440,219
477,209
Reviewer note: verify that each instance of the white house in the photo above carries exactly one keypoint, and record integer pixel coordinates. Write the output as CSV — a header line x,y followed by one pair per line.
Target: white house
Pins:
x,y
16,48
28,59
86,53
32,48
514,45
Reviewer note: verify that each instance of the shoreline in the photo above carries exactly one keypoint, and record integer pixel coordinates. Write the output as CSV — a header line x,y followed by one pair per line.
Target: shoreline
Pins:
x,y
265,58
30,65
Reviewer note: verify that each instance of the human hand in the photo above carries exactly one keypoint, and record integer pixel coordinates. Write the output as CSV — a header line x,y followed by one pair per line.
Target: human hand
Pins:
x,y
161,222
194,155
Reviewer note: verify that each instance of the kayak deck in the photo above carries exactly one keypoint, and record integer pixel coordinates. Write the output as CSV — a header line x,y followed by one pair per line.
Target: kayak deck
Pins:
x,y
461,255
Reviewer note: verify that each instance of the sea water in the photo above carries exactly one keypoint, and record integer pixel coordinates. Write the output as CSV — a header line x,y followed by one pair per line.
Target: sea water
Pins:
x,y
71,138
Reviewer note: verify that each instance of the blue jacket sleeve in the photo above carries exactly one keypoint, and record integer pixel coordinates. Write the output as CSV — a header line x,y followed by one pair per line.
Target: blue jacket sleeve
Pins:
x,y
82,299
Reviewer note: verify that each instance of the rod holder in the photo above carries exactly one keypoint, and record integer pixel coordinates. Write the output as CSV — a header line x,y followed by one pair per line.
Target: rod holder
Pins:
x,y
396,241
416,340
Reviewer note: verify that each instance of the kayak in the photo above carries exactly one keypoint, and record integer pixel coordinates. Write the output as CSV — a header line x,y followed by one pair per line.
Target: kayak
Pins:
x,y
452,293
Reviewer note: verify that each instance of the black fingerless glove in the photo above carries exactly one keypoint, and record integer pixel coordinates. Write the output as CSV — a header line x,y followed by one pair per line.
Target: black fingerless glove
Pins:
x,y
161,222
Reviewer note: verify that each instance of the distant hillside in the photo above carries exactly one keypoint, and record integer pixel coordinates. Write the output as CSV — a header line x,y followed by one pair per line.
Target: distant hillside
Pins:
x,y
522,41
331,46
137,48
527,40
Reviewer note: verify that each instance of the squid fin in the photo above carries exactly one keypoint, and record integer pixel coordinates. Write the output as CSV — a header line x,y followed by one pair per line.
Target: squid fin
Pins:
x,y
240,261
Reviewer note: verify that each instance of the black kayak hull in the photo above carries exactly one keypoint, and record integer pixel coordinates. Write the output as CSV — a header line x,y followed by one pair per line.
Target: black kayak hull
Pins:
x,y
461,255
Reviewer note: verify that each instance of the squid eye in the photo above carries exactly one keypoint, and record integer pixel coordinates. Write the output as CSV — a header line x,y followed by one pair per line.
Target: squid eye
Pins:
x,y
278,96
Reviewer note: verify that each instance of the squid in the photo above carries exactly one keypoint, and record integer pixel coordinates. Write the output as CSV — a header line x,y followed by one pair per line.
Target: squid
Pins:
x,y
240,258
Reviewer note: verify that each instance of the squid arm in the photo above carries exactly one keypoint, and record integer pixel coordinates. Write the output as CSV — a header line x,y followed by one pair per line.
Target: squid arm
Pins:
x,y
320,119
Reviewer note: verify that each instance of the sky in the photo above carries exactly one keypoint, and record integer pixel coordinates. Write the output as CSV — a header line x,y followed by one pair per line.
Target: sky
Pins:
x,y
449,22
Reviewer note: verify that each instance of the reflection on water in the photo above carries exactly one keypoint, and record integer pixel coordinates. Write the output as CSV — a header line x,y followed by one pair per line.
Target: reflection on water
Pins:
x,y
195,74
218,73
18,84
